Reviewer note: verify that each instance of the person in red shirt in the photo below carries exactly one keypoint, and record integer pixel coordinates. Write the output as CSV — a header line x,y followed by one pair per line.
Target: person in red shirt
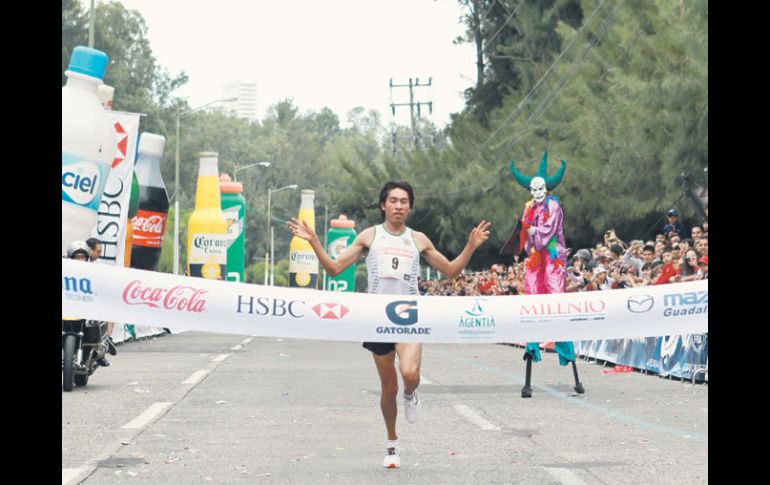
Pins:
x,y
670,272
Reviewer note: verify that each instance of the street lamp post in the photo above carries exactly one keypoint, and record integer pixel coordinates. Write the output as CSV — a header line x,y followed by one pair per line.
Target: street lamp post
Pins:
x,y
268,256
237,169
177,188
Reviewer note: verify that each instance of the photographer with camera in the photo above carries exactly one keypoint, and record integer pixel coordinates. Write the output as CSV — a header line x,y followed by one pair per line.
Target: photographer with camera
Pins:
x,y
689,267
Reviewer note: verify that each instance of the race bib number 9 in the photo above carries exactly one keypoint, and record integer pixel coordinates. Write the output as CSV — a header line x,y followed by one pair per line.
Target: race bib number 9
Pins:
x,y
394,263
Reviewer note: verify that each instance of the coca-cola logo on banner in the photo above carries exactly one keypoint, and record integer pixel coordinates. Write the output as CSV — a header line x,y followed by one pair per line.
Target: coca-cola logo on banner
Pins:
x,y
180,298
149,228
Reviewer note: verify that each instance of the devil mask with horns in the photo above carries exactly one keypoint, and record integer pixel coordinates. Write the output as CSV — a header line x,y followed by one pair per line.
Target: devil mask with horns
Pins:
x,y
543,225
542,219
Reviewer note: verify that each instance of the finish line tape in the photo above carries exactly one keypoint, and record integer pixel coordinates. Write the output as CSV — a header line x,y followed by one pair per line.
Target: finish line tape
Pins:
x,y
124,295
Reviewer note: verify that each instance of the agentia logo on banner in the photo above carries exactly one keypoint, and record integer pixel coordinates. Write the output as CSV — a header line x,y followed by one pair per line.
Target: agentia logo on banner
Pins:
x,y
475,323
684,304
578,311
77,289
179,298
331,311
640,303
404,314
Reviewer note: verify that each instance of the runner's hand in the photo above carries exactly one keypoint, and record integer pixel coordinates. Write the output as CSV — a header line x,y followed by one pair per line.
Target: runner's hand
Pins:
x,y
479,234
301,229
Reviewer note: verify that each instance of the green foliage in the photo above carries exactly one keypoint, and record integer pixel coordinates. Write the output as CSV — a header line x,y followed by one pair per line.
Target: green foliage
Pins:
x,y
626,106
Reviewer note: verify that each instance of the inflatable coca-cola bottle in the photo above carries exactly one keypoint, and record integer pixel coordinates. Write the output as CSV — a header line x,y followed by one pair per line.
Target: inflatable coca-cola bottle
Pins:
x,y
149,223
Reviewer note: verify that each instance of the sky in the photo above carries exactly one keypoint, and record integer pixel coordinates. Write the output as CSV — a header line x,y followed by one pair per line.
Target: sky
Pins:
x,y
335,53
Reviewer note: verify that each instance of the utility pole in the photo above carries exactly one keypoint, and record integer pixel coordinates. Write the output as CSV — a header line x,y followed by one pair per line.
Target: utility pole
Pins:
x,y
91,26
411,104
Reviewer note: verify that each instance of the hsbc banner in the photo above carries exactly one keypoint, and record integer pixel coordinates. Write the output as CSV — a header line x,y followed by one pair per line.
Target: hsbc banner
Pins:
x,y
102,292
113,210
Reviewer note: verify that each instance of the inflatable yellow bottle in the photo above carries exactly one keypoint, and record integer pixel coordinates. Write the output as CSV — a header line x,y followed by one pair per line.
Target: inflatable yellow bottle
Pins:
x,y
207,228
303,263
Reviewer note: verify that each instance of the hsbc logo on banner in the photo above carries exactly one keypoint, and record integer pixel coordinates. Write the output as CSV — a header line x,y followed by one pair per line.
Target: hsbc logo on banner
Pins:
x,y
331,311
122,136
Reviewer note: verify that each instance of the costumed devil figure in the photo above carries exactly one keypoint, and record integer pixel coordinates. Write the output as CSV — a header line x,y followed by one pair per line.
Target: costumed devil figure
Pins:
x,y
542,237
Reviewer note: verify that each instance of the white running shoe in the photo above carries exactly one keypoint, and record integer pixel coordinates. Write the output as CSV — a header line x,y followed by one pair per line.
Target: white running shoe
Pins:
x,y
411,406
392,459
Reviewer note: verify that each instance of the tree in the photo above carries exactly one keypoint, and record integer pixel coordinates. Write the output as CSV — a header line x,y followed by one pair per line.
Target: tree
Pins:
x,y
515,40
74,32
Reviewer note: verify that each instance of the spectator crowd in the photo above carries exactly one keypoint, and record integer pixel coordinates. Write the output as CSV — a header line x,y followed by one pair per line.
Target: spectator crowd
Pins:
x,y
673,256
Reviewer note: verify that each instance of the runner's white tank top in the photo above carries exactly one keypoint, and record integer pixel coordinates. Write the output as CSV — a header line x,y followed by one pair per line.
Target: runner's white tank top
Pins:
x,y
393,263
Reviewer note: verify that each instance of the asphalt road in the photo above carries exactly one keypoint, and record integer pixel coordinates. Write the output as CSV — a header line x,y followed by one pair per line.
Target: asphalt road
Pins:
x,y
210,408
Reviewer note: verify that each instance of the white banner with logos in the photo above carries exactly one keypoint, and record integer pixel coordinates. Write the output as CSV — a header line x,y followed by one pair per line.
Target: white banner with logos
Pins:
x,y
112,217
183,303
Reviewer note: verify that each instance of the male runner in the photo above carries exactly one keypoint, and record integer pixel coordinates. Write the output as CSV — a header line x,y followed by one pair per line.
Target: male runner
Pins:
x,y
393,264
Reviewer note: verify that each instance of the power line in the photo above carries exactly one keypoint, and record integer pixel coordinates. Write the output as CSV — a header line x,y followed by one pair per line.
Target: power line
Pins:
x,y
415,134
551,94
542,78
578,60
502,26
559,85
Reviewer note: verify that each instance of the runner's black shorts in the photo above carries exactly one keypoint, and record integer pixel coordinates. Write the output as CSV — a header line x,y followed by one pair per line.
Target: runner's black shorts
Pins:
x,y
380,348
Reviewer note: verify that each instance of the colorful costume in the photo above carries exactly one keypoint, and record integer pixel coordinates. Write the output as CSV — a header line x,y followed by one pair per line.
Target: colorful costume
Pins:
x,y
542,237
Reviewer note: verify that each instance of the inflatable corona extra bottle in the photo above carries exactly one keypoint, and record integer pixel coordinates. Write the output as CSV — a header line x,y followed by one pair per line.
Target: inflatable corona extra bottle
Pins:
x,y
303,263
207,228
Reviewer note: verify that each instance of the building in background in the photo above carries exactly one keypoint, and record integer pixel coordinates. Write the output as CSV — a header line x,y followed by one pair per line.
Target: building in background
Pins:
x,y
245,106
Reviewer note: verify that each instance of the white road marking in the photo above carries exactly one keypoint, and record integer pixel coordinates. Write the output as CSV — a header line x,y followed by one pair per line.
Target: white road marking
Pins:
x,y
236,347
475,418
247,341
565,476
197,375
423,380
69,474
151,413
221,357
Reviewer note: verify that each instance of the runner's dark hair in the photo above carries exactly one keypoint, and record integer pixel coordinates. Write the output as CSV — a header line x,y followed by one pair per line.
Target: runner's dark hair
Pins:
x,y
400,184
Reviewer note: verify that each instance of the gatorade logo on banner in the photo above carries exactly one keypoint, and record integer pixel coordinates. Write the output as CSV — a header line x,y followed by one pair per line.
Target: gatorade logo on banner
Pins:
x,y
149,228
402,312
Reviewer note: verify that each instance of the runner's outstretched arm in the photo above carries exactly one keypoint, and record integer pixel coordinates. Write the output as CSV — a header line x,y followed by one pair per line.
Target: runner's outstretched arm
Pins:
x,y
478,235
349,256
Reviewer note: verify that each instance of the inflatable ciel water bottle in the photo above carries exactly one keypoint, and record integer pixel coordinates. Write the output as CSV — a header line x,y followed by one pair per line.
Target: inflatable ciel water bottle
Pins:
x,y
207,227
88,145
149,223
234,208
341,235
303,263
